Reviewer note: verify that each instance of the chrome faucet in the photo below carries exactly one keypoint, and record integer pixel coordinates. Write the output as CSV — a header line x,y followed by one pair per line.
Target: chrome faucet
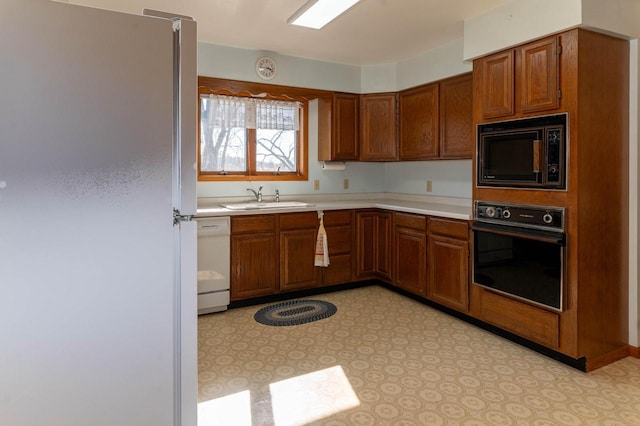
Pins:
x,y
258,194
277,196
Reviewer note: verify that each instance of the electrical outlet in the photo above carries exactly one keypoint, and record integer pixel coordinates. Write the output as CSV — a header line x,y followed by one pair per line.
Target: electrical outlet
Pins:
x,y
345,184
429,186
316,185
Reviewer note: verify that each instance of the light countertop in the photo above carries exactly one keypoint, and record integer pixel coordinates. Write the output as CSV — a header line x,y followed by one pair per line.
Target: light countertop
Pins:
x,y
453,208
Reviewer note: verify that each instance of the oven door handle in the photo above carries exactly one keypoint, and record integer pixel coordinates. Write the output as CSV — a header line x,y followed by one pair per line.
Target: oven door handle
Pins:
x,y
537,155
558,238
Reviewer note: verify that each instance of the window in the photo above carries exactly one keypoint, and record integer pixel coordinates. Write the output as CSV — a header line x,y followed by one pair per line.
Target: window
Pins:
x,y
251,138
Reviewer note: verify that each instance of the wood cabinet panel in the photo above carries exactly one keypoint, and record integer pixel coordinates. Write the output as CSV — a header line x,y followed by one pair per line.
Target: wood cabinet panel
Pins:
x,y
456,121
254,223
522,319
538,77
337,217
378,123
411,260
383,246
366,230
374,244
338,224
449,227
339,238
297,253
305,220
338,271
449,272
498,94
413,221
339,127
254,265
419,125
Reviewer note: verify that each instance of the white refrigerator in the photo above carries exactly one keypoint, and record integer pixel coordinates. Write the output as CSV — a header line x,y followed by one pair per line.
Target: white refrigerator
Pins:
x,y
97,283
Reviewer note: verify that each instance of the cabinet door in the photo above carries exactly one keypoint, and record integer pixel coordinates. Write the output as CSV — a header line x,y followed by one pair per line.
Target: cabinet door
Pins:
x,y
340,240
456,121
448,265
497,84
411,260
346,111
378,127
254,265
383,246
366,233
297,253
419,123
538,73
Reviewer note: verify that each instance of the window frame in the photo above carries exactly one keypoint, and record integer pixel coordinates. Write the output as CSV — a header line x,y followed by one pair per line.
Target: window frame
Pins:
x,y
208,85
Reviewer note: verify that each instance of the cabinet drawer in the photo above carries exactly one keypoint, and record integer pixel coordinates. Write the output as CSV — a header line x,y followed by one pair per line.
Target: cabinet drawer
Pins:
x,y
337,218
299,220
257,223
339,238
412,221
532,323
451,228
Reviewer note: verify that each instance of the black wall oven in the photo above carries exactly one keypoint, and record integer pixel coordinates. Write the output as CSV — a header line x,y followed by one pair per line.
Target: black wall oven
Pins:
x,y
527,153
519,251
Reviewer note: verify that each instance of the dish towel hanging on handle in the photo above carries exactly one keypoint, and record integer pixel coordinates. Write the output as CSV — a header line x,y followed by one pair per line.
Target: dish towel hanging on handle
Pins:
x,y
322,246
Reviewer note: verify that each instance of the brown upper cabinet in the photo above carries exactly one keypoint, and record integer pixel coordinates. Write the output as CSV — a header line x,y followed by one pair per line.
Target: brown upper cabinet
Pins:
x,y
521,80
456,117
338,137
378,122
419,123
436,120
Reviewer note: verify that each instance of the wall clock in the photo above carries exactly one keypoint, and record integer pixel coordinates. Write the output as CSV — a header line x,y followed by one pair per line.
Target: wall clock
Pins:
x,y
266,68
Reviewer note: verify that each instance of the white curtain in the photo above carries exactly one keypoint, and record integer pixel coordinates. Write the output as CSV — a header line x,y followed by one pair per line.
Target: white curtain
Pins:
x,y
250,113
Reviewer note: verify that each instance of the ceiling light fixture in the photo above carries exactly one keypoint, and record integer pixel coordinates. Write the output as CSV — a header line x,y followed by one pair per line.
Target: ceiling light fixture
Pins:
x,y
318,13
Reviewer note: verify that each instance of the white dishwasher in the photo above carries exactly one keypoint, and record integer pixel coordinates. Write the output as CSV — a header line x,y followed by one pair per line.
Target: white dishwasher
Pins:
x,y
213,264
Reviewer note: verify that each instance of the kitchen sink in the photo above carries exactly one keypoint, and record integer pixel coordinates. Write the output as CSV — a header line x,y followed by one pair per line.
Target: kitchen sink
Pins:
x,y
266,205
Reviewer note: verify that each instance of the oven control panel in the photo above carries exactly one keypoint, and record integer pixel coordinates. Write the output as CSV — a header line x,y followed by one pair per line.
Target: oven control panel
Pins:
x,y
548,218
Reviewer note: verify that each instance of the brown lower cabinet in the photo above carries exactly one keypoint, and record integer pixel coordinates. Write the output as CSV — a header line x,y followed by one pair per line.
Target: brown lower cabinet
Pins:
x,y
427,256
254,256
273,253
374,244
410,253
298,233
448,263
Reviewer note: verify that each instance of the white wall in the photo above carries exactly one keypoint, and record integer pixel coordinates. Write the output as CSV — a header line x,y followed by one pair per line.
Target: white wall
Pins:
x,y
239,64
517,22
450,178
442,62
378,78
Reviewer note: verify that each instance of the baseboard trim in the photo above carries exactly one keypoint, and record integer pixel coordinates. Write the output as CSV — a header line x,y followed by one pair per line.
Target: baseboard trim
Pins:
x,y
634,351
279,297
608,358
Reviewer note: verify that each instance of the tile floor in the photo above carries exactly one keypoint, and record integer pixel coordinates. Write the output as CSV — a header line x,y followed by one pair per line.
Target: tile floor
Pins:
x,y
384,359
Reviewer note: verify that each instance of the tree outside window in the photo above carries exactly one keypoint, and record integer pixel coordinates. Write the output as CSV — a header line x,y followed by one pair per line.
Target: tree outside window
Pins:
x,y
243,137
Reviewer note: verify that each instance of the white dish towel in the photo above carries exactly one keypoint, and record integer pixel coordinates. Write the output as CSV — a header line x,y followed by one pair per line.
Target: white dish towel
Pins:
x,y
322,246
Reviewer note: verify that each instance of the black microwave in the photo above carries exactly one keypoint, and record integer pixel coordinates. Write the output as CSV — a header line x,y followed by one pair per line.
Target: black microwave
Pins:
x,y
527,153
